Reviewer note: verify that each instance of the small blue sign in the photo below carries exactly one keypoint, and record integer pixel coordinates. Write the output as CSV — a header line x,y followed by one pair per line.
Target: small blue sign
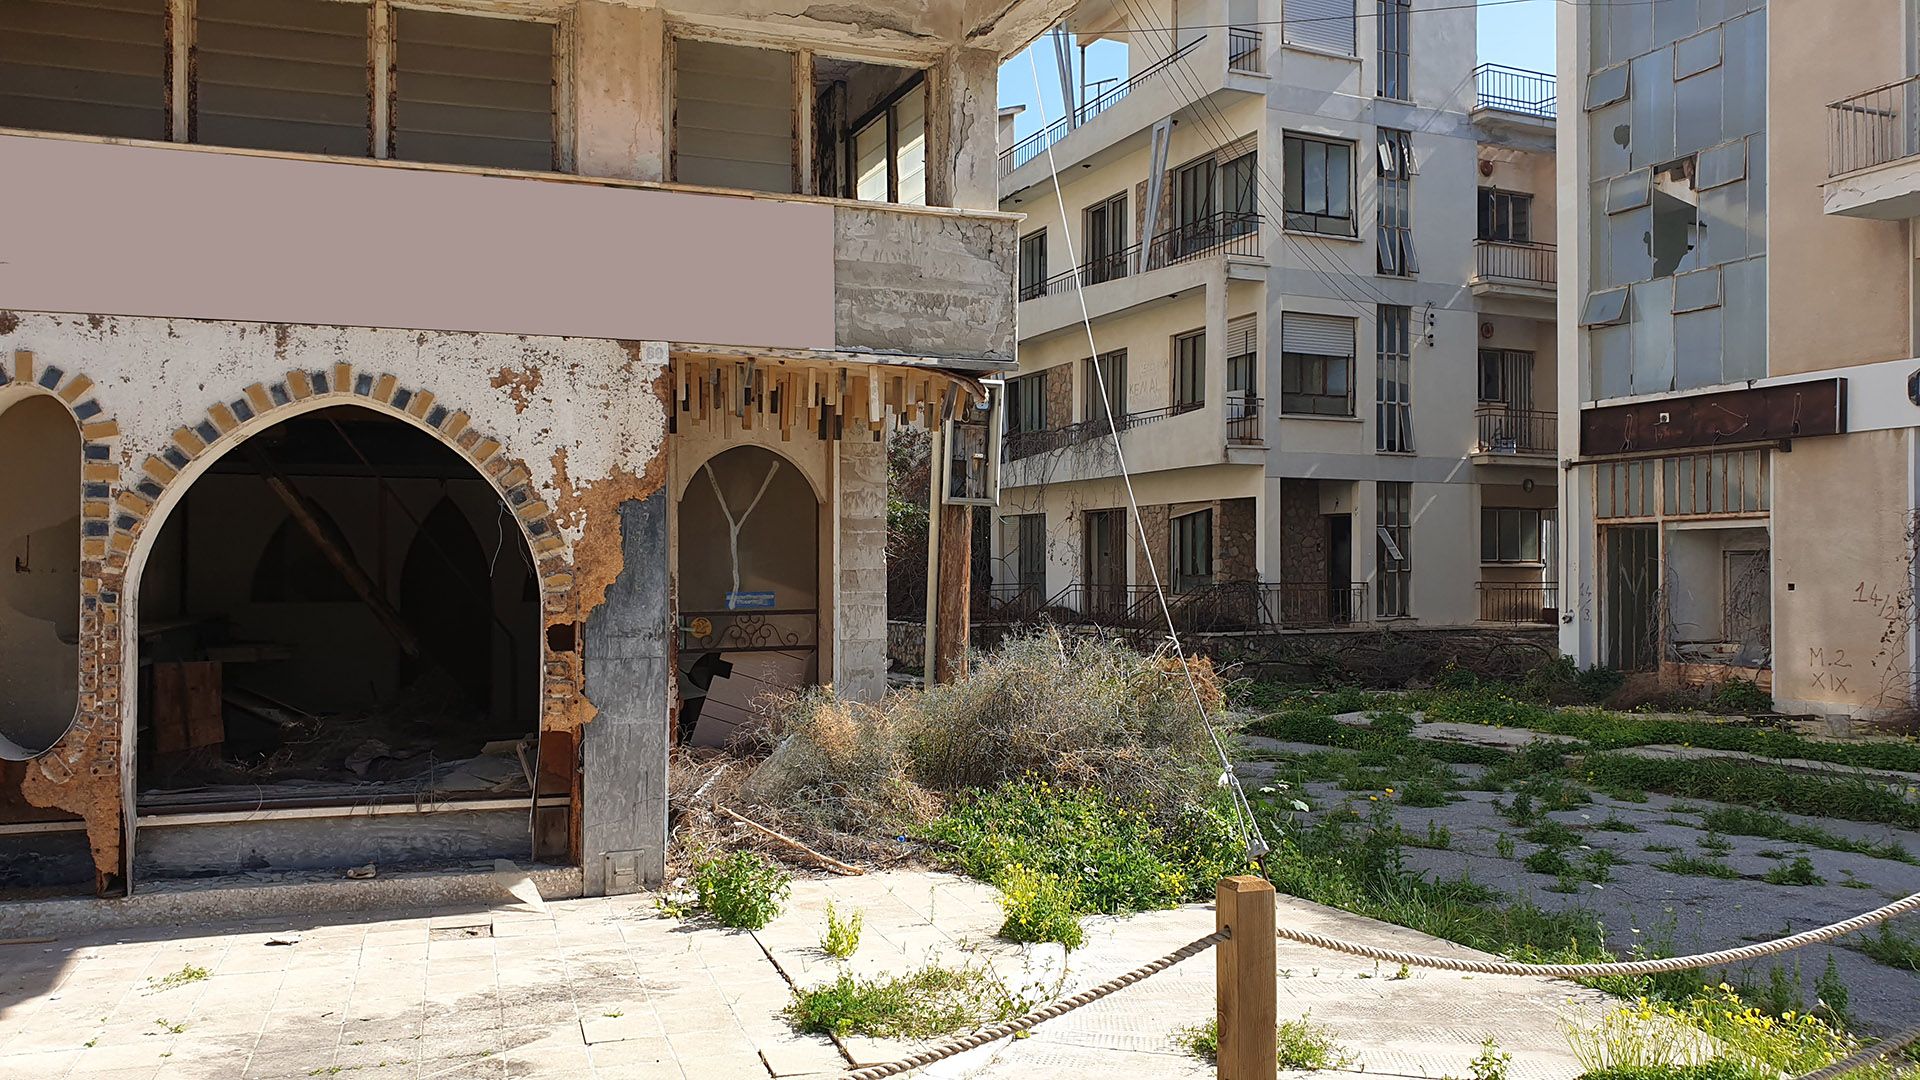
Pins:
x,y
749,601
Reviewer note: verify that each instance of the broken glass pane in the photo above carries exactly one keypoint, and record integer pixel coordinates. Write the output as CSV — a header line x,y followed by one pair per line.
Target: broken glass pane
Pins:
x,y
1605,308
1606,86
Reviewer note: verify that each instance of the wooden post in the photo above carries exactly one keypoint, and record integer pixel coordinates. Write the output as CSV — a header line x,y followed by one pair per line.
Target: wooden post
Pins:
x,y
952,625
1245,980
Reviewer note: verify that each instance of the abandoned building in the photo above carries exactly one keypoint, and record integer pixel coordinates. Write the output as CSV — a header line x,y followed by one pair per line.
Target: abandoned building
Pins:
x,y
1316,253
1739,393
419,419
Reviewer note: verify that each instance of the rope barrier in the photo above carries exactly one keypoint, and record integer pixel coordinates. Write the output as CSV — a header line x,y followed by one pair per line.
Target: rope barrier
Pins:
x,y
1625,967
1046,1012
1868,1056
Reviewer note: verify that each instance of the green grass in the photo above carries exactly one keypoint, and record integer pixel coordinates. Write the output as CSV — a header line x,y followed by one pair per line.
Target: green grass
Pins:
x,y
929,1002
1616,823
1298,1044
1798,872
1746,821
1316,724
841,938
1751,784
1696,867
1891,947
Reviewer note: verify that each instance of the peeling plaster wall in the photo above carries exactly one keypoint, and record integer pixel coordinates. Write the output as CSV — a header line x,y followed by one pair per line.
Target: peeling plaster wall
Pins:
x,y
160,399
934,285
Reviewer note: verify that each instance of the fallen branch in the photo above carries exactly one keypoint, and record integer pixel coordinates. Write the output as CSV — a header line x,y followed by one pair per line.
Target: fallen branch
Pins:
x,y
828,861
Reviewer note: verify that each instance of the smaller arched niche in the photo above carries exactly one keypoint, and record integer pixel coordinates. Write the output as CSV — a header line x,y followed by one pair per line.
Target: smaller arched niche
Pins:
x,y
39,576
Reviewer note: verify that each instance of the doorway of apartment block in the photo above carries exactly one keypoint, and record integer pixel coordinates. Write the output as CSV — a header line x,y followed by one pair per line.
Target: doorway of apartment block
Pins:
x,y
1104,557
1340,568
1630,597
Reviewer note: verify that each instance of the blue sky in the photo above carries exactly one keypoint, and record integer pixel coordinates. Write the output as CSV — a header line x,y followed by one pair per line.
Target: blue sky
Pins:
x,y
1517,34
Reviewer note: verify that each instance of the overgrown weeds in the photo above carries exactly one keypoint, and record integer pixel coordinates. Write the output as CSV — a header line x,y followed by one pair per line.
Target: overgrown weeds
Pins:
x,y
1714,1035
841,938
922,1004
1298,1044
1745,821
1753,784
741,889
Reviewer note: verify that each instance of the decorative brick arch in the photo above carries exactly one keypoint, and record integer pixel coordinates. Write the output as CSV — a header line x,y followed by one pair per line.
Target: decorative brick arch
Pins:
x,y
99,607
259,406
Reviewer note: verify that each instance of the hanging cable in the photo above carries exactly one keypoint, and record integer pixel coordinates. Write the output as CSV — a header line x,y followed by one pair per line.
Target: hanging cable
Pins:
x,y
1243,809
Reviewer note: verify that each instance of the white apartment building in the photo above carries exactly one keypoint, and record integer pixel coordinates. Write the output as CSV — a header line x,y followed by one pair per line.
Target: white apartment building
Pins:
x,y
1316,248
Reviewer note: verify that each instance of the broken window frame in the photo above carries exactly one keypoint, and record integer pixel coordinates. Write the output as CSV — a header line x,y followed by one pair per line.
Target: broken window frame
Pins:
x,y
1393,524
180,89
1394,199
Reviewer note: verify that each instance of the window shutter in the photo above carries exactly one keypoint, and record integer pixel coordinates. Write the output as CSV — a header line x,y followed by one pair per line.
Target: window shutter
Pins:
x,y
1243,336
88,66
1321,24
733,116
1318,335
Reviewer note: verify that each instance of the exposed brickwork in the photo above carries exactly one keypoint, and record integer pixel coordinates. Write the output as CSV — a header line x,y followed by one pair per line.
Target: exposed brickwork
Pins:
x,y
81,772
1303,533
1236,536
1155,522
1059,396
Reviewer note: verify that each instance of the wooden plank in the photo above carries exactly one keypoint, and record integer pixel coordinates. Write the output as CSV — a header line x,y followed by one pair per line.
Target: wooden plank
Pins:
x,y
952,616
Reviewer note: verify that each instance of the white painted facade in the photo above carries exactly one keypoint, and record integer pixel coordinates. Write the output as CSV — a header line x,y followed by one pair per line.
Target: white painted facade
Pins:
x,y
1267,458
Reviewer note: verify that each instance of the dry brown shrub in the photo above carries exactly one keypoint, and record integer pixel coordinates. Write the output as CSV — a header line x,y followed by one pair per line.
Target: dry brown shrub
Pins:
x,y
1077,711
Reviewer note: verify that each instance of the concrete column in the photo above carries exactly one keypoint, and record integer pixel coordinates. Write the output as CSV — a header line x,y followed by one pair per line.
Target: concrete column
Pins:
x,y
1216,326
623,816
1579,557
860,644
963,157
620,91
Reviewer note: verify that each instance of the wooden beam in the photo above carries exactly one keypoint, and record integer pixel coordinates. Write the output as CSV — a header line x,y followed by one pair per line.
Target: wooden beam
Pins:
x,y
335,547
952,618
1244,979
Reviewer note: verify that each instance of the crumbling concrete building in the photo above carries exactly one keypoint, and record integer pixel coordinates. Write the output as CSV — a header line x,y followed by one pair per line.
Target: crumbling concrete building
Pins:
x,y
419,418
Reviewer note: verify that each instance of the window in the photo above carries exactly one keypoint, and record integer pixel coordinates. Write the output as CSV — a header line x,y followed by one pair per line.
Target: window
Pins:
x,y
1677,232
1731,482
1394,33
1396,255
57,79
296,76
1506,377
1240,194
1027,403
1031,553
1509,535
1106,236
1243,348
1316,365
1393,414
890,149
472,91
1108,370
1319,185
1394,547
1189,370
1506,216
1321,24
1624,489
1033,265
1192,555
282,75
733,117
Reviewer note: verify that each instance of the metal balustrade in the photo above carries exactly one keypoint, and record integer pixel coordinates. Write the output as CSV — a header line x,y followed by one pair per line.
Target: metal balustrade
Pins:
x,y
1508,260
1514,90
1874,128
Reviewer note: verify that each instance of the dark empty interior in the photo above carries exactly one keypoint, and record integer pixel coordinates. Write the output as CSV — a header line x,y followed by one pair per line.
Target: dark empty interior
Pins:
x,y
341,609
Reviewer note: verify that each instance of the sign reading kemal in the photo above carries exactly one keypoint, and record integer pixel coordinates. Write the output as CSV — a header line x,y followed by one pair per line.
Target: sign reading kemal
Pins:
x,y
1757,414
749,601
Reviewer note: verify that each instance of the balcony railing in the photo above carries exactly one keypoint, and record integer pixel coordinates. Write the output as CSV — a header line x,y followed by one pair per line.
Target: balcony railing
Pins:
x,y
1218,234
1246,51
1025,444
1514,90
1037,143
1221,607
1243,421
1505,430
1874,128
1506,260
1523,602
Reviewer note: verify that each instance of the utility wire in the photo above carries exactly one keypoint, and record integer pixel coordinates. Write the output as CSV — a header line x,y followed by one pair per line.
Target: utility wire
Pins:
x,y
1243,809
1302,19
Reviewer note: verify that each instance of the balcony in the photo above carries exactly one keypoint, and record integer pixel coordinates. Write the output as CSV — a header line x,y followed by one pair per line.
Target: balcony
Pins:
x,y
1134,611
1520,603
1873,153
1515,271
177,231
1124,115
1507,433
1220,234
1516,103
